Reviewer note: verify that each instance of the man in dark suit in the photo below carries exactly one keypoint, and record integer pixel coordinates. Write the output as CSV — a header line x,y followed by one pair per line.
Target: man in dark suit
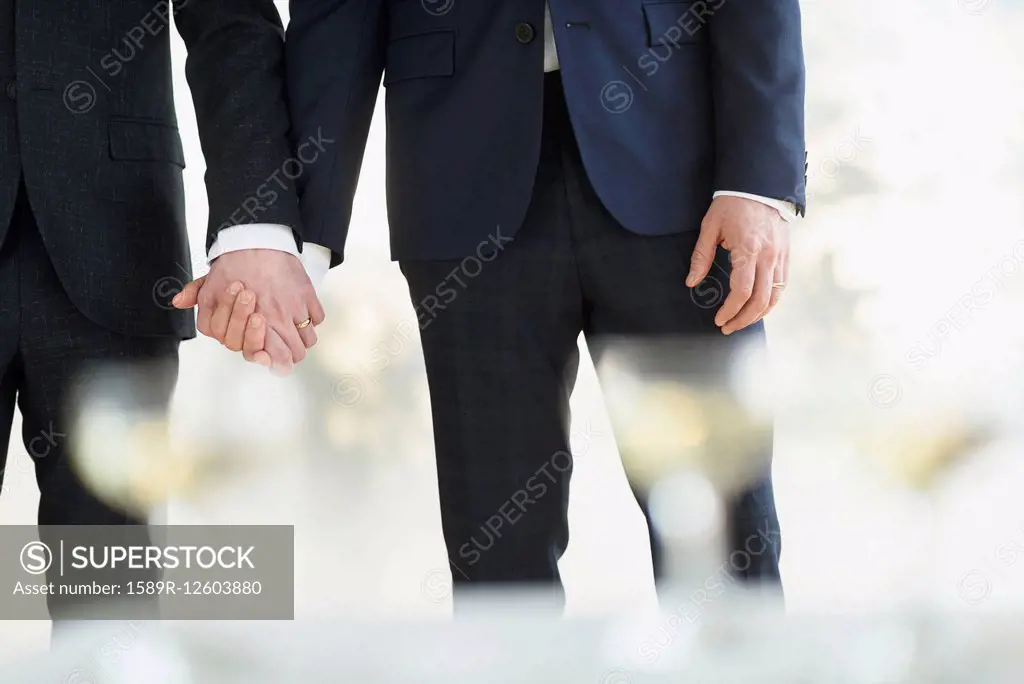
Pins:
x,y
92,215
557,168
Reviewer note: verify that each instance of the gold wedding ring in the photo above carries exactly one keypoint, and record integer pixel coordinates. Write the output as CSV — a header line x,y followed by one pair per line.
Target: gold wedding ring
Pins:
x,y
779,285
304,324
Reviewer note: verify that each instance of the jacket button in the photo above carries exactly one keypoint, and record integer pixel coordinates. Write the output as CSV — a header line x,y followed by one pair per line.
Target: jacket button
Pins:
x,y
12,91
524,32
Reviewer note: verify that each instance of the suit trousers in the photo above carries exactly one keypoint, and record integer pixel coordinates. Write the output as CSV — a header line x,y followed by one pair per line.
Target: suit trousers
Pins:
x,y
500,333
47,350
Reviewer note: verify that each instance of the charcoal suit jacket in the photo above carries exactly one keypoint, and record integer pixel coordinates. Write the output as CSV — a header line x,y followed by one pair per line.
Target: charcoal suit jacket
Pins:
x,y
87,119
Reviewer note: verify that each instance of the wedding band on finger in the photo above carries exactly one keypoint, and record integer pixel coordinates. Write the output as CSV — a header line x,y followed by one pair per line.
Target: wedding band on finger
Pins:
x,y
304,324
780,286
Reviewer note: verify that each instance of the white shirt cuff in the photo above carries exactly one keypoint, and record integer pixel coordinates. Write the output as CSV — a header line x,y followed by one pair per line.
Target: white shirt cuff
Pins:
x,y
315,258
786,209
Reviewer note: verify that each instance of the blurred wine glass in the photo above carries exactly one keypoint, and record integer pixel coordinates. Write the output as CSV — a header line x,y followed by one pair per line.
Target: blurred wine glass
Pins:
x,y
130,453
691,438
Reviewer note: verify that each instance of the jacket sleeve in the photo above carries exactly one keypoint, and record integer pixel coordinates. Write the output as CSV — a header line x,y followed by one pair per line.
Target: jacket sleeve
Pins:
x,y
335,60
759,82
235,70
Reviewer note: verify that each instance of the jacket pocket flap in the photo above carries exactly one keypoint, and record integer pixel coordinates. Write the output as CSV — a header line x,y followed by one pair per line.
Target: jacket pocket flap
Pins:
x,y
673,23
141,140
422,55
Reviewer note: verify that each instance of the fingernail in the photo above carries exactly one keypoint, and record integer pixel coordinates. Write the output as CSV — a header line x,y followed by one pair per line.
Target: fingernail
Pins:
x,y
690,281
177,299
255,322
245,297
234,289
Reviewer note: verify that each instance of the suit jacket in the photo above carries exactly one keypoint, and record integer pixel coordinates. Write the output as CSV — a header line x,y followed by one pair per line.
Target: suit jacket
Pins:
x,y
87,118
670,100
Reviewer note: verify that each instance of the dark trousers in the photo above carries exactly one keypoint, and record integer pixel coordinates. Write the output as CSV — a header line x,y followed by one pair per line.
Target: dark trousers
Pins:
x,y
46,348
499,331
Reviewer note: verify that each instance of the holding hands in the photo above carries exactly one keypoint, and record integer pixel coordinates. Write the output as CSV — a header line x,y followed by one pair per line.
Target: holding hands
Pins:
x,y
260,302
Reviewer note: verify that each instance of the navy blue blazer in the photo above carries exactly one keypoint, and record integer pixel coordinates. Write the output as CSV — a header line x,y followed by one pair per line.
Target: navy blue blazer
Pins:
x,y
670,100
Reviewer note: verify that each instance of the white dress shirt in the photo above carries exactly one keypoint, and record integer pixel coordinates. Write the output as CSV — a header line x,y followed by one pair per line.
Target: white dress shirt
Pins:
x,y
317,259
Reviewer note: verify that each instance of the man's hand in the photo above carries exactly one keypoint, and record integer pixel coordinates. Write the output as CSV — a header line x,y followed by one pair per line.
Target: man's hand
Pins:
x,y
757,239
257,295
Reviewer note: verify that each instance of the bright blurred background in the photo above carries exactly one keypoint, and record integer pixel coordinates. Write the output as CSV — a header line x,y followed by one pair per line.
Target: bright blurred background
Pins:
x,y
904,307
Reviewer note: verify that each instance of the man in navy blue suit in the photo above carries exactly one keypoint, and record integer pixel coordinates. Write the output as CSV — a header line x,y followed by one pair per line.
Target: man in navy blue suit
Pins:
x,y
599,166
